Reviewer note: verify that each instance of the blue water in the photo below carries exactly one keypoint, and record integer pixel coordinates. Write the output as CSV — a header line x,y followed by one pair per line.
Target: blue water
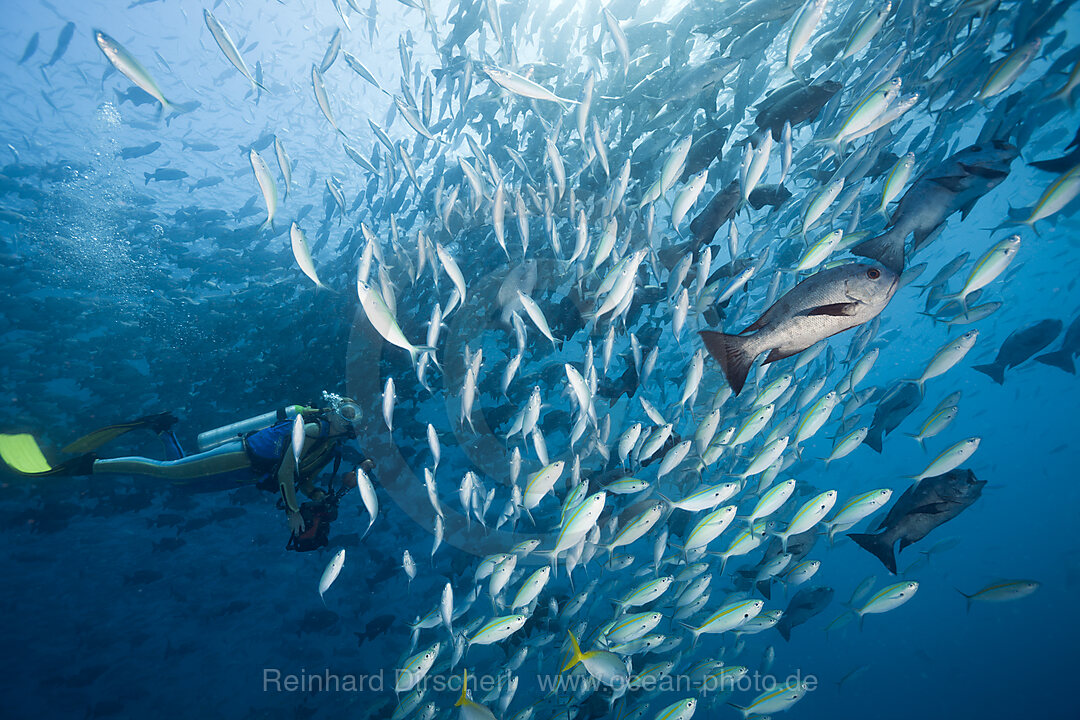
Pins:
x,y
128,596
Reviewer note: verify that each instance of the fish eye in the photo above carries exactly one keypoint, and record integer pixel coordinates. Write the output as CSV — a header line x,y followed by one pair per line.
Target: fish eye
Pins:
x,y
873,273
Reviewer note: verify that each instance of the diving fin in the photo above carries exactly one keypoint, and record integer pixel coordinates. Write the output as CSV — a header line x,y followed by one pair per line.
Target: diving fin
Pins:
x,y
91,441
22,454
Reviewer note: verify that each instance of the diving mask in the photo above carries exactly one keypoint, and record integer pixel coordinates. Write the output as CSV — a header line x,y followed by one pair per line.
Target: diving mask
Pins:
x,y
343,406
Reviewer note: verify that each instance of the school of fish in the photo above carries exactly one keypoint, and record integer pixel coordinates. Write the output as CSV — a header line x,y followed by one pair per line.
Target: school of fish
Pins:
x,y
621,274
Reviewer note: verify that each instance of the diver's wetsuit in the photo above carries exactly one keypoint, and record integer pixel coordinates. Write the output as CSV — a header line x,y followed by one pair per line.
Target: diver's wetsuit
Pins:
x,y
254,457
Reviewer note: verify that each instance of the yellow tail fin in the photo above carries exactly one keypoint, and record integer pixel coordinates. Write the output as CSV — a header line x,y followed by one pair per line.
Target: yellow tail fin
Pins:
x,y
464,684
22,453
576,654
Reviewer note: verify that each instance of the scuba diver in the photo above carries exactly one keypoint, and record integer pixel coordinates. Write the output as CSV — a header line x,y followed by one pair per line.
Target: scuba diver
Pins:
x,y
260,450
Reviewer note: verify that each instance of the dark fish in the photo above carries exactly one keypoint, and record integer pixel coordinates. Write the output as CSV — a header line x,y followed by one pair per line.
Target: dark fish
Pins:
x,y
758,11
1070,347
129,153
136,96
31,48
822,305
899,402
720,209
771,195
706,148
376,627
1058,165
806,603
182,108
798,547
206,182
923,507
265,140
62,43
1065,162
626,384
1020,346
164,174
795,103
200,146
954,185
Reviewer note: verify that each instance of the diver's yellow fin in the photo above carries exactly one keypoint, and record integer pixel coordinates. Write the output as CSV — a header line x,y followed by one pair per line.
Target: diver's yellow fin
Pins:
x,y
22,453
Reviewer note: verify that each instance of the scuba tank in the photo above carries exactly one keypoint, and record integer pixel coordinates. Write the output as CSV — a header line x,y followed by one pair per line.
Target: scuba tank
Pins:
x,y
218,436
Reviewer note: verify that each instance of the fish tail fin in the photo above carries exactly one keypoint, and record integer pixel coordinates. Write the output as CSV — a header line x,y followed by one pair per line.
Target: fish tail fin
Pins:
x,y
693,631
967,597
576,655
147,177
1061,359
740,708
885,248
765,588
416,350
464,687
994,370
730,351
877,546
917,438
